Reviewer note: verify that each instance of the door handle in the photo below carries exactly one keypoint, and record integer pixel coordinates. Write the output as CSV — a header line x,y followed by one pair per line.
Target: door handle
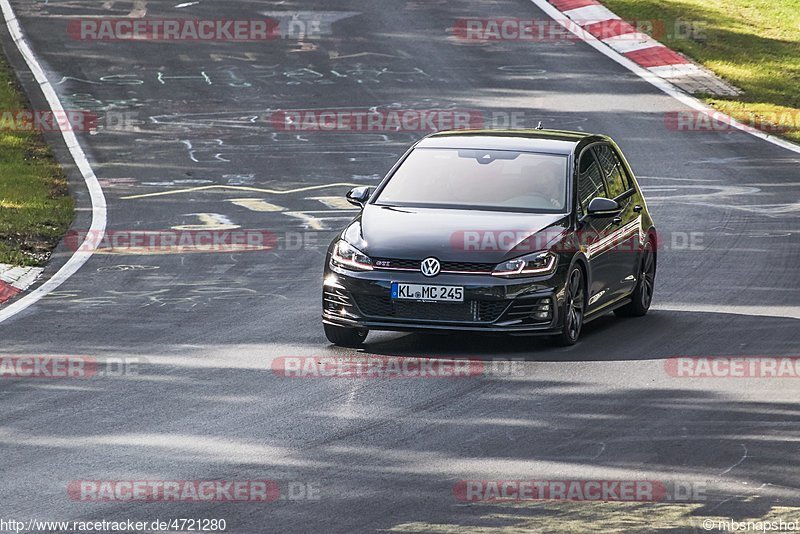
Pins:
x,y
637,208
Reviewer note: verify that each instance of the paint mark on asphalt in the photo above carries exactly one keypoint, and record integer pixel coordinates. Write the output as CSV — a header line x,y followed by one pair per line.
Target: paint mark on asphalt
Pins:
x,y
742,459
256,204
310,222
122,268
208,221
240,188
336,203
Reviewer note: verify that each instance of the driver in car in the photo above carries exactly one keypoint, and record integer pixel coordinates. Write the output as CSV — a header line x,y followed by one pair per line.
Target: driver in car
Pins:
x,y
548,183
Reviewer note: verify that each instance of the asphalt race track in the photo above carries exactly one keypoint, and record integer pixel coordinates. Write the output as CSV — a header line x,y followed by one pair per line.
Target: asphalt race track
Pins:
x,y
382,455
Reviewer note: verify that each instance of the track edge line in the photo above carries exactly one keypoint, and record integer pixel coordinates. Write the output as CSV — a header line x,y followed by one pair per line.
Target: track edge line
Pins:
x,y
99,211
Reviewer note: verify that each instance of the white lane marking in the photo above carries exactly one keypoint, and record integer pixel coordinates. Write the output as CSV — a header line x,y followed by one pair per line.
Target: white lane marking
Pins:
x,y
187,4
653,79
788,312
98,225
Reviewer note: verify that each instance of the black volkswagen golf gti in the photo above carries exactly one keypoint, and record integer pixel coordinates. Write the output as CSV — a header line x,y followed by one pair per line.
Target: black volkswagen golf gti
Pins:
x,y
521,232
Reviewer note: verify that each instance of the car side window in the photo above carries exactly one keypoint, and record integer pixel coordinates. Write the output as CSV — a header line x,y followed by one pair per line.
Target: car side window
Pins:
x,y
590,180
613,171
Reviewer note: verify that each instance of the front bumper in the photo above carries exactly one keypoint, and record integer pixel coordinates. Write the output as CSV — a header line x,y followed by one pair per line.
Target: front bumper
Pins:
x,y
491,304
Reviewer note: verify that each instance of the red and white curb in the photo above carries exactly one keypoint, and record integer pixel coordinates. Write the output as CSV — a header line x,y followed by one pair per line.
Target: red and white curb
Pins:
x,y
642,49
15,280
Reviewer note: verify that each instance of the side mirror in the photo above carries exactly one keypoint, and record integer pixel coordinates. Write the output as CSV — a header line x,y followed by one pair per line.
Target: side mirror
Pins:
x,y
603,207
358,196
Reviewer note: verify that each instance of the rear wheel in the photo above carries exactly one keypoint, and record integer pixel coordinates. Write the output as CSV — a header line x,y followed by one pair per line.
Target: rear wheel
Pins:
x,y
642,296
574,306
345,336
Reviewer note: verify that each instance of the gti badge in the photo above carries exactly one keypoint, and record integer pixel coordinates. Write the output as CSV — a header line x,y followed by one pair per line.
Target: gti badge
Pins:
x,y
430,267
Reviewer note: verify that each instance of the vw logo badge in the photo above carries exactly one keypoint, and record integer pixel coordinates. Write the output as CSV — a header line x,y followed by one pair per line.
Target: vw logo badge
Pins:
x,y
430,267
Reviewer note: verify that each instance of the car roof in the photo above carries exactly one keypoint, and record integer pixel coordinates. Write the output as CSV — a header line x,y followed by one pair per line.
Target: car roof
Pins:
x,y
548,141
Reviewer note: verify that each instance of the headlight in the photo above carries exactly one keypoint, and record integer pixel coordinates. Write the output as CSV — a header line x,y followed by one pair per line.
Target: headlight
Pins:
x,y
349,257
535,264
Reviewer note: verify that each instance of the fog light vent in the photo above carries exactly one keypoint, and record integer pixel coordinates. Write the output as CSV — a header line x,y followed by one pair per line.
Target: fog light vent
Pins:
x,y
543,311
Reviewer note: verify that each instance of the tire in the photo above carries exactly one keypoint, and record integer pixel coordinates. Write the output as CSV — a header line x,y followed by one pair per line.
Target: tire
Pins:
x,y
574,308
642,296
344,336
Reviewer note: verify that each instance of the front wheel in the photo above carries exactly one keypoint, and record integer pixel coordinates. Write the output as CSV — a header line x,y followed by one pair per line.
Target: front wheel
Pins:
x,y
642,296
574,305
344,336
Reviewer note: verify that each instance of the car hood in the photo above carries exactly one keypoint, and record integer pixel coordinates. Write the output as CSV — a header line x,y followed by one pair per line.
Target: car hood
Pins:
x,y
452,234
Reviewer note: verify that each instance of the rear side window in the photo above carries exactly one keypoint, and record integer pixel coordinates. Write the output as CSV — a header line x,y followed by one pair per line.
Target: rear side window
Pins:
x,y
612,169
590,180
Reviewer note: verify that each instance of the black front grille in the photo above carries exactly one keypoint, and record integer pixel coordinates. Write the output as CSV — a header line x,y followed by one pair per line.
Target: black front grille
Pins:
x,y
470,311
451,266
387,263
491,309
463,266
425,311
375,306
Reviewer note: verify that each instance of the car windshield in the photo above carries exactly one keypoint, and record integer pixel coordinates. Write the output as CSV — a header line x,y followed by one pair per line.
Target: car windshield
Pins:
x,y
488,179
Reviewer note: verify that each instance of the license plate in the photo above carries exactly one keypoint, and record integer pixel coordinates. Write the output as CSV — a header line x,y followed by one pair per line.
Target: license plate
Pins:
x,y
427,292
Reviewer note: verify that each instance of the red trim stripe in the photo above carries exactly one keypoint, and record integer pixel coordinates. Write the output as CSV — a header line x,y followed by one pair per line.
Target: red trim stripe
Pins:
x,y
7,291
656,56
566,5
609,28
